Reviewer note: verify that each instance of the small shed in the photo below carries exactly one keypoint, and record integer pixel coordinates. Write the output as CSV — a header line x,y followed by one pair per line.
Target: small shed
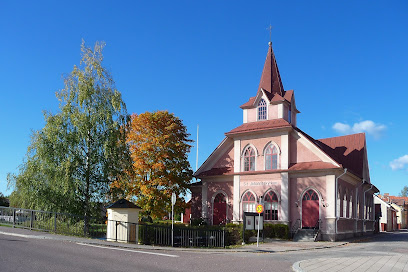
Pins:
x,y
123,221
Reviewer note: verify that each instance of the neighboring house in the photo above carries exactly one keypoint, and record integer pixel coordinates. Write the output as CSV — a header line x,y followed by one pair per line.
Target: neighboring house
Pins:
x,y
302,181
387,216
400,204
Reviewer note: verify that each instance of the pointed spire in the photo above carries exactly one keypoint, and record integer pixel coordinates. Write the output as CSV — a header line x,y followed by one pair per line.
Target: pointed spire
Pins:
x,y
271,81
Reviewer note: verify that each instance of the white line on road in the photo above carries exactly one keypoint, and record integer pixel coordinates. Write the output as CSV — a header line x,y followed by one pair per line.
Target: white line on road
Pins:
x,y
130,250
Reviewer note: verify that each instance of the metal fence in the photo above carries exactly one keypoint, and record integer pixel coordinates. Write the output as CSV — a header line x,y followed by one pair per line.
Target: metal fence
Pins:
x,y
151,234
62,223
143,233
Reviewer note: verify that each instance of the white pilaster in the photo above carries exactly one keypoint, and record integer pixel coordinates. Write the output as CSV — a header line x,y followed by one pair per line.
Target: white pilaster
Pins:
x,y
245,117
204,202
330,201
280,110
284,151
237,156
285,197
235,212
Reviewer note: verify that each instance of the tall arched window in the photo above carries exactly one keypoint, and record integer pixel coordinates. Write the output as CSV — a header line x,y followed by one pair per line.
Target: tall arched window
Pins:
x,y
358,205
271,206
351,205
338,203
271,157
249,159
248,202
262,110
345,204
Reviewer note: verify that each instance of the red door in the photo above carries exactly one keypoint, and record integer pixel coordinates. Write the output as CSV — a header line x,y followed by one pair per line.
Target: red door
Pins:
x,y
220,210
310,209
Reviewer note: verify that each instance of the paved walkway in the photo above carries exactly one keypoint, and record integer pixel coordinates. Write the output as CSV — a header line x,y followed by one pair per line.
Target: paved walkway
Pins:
x,y
394,263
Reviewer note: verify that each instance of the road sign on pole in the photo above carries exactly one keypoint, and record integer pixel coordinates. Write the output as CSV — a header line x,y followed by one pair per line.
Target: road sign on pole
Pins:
x,y
173,201
259,210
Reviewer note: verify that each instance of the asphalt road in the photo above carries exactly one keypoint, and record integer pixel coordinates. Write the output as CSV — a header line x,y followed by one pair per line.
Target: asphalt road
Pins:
x,y
25,254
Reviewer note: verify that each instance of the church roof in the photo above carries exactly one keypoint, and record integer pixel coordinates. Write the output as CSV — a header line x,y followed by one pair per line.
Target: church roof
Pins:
x,y
259,126
271,81
348,151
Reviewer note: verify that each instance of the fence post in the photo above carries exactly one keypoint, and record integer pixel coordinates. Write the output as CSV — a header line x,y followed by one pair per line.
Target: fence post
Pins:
x,y
32,220
55,222
14,217
116,231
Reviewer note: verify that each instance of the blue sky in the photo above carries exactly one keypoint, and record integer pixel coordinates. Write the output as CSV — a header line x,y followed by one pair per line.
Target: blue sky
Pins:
x,y
346,60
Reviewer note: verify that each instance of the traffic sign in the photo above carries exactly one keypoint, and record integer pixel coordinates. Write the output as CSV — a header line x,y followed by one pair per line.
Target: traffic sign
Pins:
x,y
259,208
173,198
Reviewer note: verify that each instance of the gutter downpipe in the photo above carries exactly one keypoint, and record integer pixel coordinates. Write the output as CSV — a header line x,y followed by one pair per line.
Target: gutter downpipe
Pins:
x,y
337,211
365,206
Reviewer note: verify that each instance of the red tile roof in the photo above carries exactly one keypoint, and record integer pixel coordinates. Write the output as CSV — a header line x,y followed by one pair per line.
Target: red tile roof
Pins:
x,y
259,126
347,150
248,104
271,81
289,95
311,166
217,172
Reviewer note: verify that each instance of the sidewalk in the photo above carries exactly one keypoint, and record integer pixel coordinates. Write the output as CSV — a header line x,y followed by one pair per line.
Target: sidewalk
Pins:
x,y
270,246
394,263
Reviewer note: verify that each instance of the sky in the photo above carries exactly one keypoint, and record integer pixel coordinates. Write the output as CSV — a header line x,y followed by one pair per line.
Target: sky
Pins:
x,y
346,60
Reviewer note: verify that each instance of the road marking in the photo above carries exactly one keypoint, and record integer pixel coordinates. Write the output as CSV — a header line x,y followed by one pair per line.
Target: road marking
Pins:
x,y
130,250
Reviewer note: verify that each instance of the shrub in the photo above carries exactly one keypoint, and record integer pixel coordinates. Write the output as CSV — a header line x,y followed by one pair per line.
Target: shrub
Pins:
x,y
276,231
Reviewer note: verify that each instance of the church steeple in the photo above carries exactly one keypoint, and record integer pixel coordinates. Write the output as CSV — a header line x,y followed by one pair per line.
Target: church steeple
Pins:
x,y
271,81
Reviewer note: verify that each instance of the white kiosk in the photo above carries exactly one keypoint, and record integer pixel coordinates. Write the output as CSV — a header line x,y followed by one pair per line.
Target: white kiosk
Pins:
x,y
123,219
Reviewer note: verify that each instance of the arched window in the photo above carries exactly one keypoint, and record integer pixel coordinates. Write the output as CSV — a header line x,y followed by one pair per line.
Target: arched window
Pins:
x,y
271,206
262,110
351,205
345,204
249,159
338,203
310,195
248,202
271,157
358,205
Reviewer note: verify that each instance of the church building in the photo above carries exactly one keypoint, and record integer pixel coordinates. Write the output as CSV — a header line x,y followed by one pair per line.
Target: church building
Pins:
x,y
302,182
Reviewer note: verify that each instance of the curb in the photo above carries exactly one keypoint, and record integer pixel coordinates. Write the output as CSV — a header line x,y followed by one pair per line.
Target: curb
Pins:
x,y
134,246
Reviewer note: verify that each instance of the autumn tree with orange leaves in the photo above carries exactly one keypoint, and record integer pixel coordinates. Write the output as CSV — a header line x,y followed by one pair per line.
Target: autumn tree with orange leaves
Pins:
x,y
159,145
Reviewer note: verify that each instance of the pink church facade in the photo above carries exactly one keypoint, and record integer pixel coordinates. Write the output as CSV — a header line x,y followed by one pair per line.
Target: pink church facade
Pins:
x,y
302,182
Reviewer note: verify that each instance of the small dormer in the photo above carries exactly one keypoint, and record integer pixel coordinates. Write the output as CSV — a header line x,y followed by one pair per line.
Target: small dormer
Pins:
x,y
271,101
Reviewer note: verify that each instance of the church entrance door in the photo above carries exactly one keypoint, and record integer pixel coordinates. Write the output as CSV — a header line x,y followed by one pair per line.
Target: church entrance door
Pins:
x,y
220,210
310,209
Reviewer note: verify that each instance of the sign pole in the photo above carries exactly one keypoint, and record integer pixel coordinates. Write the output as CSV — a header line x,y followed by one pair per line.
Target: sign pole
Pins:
x,y
259,210
173,201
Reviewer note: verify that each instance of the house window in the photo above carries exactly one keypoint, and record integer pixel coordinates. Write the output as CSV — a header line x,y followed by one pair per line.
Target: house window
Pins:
x,y
271,157
289,116
262,110
249,159
248,202
345,204
338,203
271,206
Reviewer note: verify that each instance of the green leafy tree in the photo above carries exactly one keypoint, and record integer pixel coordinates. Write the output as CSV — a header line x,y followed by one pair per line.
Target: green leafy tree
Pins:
x,y
3,200
159,145
79,152
404,191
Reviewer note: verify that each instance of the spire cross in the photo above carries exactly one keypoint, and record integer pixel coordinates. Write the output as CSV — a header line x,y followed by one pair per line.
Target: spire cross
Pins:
x,y
270,33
